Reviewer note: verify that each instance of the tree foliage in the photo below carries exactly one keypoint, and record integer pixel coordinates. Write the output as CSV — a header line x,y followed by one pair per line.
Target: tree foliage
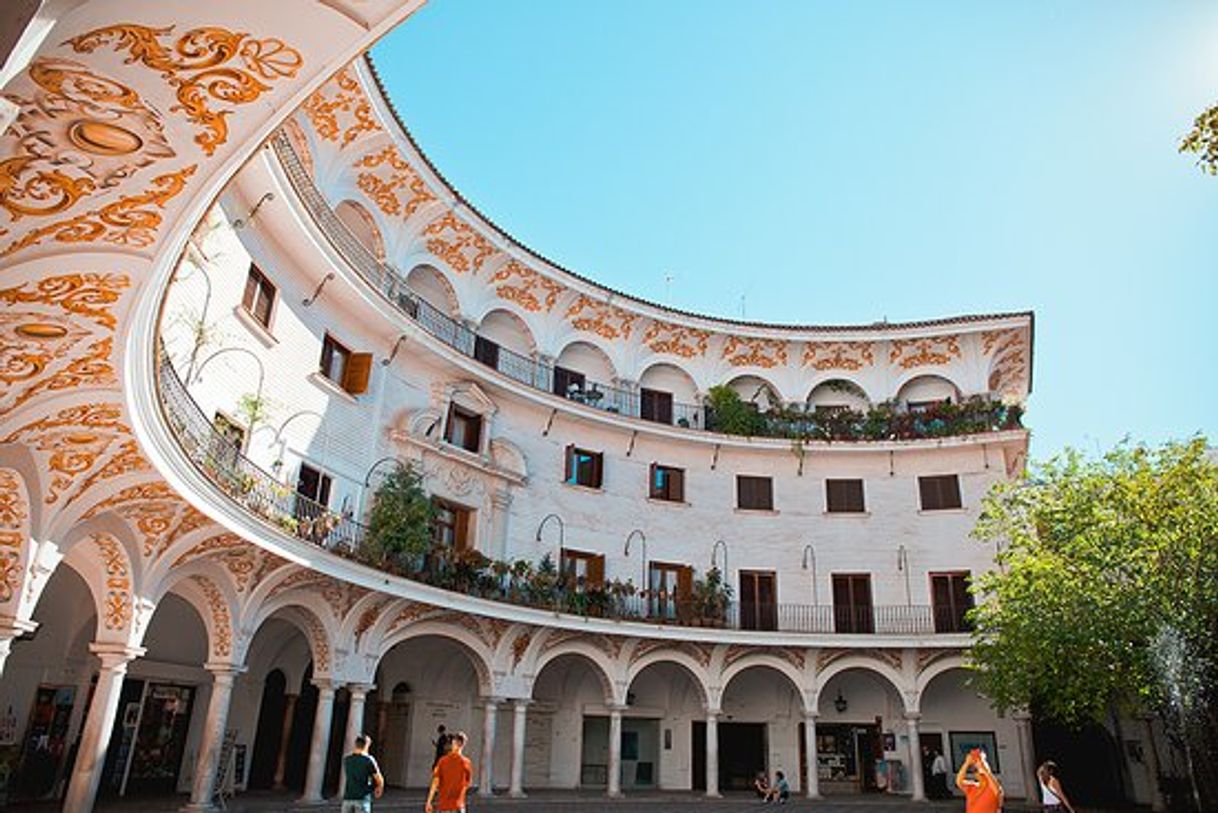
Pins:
x,y
1099,559
1202,140
399,526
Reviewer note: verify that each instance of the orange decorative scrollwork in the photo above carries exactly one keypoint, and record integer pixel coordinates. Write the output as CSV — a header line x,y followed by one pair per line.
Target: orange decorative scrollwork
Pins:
x,y
75,437
601,318
838,355
518,283
383,190
910,353
13,515
322,109
86,295
677,340
741,351
201,67
127,221
221,620
116,609
455,242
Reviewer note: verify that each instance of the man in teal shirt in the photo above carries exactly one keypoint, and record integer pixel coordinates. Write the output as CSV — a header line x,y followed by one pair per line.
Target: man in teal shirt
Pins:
x,y
364,780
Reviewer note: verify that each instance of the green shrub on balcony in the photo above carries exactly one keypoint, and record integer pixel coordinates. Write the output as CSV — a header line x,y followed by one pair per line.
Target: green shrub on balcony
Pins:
x,y
399,525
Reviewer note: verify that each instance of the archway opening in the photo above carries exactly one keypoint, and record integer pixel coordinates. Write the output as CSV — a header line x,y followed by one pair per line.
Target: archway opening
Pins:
x,y
760,731
667,707
284,728
570,721
923,392
861,715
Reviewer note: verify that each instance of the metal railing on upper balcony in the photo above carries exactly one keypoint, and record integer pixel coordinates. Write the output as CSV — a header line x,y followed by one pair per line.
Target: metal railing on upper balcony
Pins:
x,y
879,424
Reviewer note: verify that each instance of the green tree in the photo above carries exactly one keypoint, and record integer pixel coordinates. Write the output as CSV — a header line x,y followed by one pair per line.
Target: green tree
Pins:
x,y
1104,565
1202,140
399,527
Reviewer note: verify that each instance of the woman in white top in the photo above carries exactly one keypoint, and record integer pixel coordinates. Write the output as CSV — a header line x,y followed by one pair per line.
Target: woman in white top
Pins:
x,y
1051,794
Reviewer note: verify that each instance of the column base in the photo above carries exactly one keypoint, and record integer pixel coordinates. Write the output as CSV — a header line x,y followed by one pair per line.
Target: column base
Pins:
x,y
715,795
199,807
517,794
813,796
615,795
303,802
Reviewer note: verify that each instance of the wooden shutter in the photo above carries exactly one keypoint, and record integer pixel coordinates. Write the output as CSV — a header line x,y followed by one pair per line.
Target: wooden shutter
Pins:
x,y
653,487
598,470
568,475
357,373
251,288
596,571
676,485
461,529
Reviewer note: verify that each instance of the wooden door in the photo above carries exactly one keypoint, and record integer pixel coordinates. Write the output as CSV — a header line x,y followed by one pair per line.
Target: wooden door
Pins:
x,y
852,610
758,600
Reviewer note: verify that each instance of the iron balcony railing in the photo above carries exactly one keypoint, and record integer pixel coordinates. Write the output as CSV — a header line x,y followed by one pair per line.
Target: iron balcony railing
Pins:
x,y
542,376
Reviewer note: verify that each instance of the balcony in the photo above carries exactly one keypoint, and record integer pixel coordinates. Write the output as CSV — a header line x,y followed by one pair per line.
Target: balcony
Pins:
x,y
883,422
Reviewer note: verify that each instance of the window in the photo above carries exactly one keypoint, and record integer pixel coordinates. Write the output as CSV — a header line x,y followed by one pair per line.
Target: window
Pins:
x,y
450,524
754,493
669,588
920,407
940,492
348,370
582,570
229,430
852,611
584,468
667,483
567,381
259,296
463,428
314,484
486,351
951,600
758,600
844,496
655,405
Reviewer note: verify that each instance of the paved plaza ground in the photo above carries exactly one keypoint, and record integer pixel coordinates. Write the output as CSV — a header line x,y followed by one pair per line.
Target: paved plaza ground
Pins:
x,y
558,801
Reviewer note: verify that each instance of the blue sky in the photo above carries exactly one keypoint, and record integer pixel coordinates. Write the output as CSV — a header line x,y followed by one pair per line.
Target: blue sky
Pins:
x,y
846,162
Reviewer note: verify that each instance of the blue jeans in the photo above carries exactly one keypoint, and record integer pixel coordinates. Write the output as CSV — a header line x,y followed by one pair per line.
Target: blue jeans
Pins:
x,y
357,806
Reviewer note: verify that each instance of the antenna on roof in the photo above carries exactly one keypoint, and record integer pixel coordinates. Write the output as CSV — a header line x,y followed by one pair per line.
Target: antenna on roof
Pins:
x,y
742,305
668,278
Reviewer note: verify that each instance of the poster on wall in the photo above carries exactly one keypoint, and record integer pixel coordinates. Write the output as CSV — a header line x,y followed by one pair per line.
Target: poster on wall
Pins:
x,y
964,741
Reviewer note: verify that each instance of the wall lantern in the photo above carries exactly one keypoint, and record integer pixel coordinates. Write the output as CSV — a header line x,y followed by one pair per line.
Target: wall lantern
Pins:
x,y
840,703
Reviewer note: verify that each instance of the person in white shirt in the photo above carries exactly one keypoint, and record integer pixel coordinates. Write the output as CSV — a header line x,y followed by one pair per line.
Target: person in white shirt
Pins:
x,y
938,777
1051,794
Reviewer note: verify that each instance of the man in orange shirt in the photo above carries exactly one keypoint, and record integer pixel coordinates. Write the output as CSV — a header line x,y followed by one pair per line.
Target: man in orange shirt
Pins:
x,y
451,778
983,793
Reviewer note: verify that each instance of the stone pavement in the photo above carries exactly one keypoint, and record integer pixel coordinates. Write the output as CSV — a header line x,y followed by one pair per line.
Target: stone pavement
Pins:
x,y
557,802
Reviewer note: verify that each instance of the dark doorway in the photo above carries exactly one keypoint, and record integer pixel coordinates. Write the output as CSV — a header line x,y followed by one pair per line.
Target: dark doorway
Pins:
x,y
932,744
758,600
846,755
268,736
1088,759
742,749
302,734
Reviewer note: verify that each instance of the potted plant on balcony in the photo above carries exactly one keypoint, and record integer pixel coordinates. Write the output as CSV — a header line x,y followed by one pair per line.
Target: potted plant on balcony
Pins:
x,y
710,597
399,525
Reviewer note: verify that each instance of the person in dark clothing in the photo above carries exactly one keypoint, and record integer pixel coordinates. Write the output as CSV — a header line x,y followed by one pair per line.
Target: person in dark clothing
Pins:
x,y
364,781
441,744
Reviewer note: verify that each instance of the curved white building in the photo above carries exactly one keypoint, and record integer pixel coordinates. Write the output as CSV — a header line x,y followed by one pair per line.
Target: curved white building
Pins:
x,y
230,311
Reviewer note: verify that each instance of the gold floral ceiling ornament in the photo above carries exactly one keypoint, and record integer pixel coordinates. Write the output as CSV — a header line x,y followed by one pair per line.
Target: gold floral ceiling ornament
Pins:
x,y
128,221
932,350
518,283
676,340
74,437
455,242
157,512
838,355
14,513
605,320
383,187
741,351
1009,366
116,609
203,65
126,460
88,295
325,104
221,620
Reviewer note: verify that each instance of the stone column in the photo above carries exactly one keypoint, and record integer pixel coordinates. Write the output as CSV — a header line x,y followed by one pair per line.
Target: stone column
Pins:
x,y
1157,802
486,770
355,723
203,789
281,760
615,752
95,738
320,743
915,757
10,629
1027,756
812,780
520,714
501,501
712,753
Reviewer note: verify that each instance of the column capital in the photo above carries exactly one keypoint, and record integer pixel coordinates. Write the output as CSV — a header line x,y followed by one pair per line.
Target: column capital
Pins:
x,y
325,684
224,670
11,627
617,708
1021,715
912,716
360,689
712,711
115,656
811,714
519,703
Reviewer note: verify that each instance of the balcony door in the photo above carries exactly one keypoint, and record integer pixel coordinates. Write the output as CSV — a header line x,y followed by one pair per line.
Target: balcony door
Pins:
x,y
669,587
758,600
951,600
852,610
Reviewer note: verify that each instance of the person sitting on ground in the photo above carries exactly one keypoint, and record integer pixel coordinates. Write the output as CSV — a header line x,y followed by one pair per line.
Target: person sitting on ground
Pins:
x,y
983,792
450,779
761,786
1051,794
363,778
780,791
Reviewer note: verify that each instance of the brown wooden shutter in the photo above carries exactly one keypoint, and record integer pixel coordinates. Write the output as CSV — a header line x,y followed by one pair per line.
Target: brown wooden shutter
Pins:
x,y
685,583
251,288
461,528
569,466
676,485
596,571
357,373
653,489
598,470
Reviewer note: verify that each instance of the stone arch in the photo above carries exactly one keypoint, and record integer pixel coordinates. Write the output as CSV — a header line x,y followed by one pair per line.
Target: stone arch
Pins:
x,y
890,675
589,358
839,392
16,546
104,564
602,667
508,329
477,653
774,663
360,222
922,387
937,667
433,287
755,389
668,377
296,609
216,605
696,671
